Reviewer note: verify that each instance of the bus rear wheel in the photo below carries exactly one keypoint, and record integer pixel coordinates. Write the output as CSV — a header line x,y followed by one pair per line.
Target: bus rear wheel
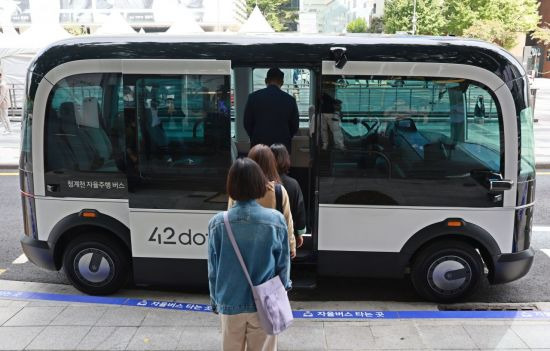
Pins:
x,y
96,264
446,271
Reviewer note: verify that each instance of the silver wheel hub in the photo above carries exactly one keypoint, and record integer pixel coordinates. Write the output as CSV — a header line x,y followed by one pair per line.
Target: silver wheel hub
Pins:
x,y
94,266
449,274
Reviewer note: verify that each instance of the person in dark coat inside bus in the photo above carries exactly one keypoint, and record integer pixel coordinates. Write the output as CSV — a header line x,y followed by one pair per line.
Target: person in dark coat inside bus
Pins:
x,y
271,115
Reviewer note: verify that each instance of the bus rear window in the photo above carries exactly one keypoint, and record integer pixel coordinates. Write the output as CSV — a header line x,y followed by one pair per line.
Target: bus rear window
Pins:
x,y
25,161
85,121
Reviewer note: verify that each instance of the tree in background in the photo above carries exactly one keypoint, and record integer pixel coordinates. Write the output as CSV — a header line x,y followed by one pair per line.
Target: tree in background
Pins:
x,y
429,13
491,31
542,34
76,30
376,25
279,13
496,21
358,25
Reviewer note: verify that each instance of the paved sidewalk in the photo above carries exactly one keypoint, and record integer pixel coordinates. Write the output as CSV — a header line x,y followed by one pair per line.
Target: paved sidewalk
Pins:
x,y
47,325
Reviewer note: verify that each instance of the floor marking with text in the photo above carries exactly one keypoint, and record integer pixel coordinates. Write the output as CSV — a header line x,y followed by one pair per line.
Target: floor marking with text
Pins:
x,y
21,259
298,314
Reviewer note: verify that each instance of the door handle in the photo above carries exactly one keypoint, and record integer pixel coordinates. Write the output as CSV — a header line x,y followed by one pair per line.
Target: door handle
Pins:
x,y
500,184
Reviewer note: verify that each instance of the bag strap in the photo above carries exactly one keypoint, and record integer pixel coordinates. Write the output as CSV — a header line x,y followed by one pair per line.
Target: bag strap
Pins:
x,y
278,198
236,247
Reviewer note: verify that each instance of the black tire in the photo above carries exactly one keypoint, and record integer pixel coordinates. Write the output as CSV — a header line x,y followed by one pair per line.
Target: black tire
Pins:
x,y
446,271
96,264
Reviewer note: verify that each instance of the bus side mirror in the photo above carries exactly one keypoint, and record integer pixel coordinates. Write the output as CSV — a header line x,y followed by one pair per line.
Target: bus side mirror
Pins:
x,y
340,58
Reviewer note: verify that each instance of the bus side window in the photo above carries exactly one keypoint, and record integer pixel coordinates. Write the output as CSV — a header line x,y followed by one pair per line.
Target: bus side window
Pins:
x,y
182,131
83,136
411,141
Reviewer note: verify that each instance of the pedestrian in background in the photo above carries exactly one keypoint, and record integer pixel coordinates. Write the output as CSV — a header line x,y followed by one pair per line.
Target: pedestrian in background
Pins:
x,y
331,117
297,206
261,236
4,105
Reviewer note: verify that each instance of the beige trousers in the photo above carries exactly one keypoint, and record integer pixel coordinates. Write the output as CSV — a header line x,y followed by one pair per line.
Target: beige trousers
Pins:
x,y
332,121
243,332
4,119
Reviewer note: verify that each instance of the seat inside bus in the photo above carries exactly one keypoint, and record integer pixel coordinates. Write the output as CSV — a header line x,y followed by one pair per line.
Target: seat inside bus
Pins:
x,y
78,137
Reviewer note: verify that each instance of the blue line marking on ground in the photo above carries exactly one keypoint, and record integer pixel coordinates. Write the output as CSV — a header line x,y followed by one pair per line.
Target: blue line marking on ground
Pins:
x,y
313,314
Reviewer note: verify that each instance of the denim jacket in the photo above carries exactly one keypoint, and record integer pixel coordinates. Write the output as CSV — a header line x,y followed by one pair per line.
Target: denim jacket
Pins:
x,y
261,235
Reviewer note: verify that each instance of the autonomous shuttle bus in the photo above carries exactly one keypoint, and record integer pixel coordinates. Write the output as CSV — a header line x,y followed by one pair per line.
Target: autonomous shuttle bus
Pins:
x,y
127,142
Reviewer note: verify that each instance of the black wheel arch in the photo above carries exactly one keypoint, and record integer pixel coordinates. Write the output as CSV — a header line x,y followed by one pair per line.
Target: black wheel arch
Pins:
x,y
468,232
75,223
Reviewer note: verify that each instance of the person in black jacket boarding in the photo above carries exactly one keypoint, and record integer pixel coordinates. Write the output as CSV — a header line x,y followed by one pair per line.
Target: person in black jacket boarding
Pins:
x,y
271,115
297,206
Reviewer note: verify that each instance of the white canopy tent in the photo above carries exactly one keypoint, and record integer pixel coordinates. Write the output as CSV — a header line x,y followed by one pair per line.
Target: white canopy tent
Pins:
x,y
42,34
185,23
115,24
256,23
17,51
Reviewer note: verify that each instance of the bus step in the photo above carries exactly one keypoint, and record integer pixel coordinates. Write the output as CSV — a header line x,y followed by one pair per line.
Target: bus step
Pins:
x,y
303,279
303,256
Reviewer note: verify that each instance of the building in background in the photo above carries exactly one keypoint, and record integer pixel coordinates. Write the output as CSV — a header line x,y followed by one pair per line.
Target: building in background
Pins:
x,y
536,57
151,15
332,16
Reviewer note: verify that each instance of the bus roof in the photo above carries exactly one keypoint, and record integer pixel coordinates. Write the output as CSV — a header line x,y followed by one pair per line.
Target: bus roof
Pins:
x,y
296,50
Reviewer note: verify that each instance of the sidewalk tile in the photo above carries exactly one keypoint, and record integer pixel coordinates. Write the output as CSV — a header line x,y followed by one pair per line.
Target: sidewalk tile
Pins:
x,y
445,337
200,338
79,315
59,338
303,338
45,303
535,336
401,336
122,317
17,338
346,337
8,312
5,303
34,316
19,303
157,318
495,337
155,338
107,338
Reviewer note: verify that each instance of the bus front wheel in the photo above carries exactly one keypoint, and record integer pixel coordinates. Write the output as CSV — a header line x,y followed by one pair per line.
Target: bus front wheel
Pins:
x,y
96,264
446,271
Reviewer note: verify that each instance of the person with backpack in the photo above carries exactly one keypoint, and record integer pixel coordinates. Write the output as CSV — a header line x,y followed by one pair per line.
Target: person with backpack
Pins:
x,y
276,196
297,206
261,247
